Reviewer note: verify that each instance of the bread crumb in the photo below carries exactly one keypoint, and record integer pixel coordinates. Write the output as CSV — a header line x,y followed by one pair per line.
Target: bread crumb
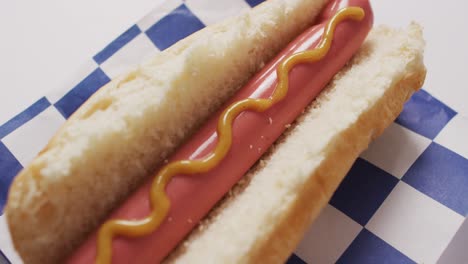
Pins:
x,y
287,125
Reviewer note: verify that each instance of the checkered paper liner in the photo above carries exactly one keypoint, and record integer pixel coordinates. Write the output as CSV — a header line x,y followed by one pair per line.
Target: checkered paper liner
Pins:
x,y
403,200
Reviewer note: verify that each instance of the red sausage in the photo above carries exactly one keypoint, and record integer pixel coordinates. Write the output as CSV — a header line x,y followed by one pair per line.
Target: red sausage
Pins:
x,y
193,196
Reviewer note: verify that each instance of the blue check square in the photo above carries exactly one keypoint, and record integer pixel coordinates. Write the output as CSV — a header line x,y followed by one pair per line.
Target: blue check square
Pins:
x,y
294,259
9,167
425,115
367,248
253,3
177,25
362,191
68,104
443,175
3,258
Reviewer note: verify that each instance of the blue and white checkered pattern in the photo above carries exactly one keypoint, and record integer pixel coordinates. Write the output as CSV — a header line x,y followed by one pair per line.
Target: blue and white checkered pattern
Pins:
x,y
402,202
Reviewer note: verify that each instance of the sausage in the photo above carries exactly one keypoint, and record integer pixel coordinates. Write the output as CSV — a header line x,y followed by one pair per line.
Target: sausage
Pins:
x,y
193,196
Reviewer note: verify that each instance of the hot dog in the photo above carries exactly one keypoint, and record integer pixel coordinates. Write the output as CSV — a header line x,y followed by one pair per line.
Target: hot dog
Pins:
x,y
193,196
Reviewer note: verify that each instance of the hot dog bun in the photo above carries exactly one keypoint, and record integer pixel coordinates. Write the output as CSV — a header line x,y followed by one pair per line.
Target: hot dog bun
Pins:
x,y
264,217
130,126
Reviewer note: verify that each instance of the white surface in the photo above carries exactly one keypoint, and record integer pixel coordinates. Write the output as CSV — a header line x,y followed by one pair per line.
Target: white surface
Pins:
x,y
448,136
45,42
396,150
447,41
320,245
415,223
456,251
30,138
